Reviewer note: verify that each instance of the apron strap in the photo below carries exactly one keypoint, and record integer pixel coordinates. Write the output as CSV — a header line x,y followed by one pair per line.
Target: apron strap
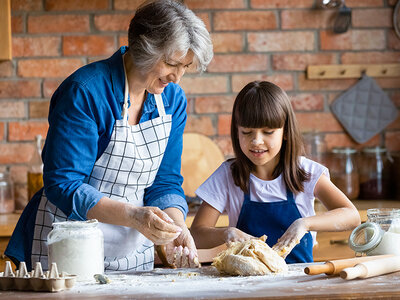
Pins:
x,y
126,94
160,105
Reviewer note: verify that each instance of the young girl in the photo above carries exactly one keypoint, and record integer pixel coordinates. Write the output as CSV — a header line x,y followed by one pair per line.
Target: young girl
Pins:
x,y
269,188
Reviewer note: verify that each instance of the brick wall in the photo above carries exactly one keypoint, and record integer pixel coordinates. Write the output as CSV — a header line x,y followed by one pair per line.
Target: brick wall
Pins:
x,y
253,39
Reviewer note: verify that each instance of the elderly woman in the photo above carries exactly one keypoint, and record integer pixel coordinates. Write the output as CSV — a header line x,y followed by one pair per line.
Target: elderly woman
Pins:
x,y
114,144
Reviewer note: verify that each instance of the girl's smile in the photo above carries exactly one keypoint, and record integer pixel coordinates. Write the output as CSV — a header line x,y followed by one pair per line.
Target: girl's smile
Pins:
x,y
262,147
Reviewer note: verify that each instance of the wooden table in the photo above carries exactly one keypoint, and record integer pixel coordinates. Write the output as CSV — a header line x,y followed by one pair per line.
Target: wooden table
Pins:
x,y
182,284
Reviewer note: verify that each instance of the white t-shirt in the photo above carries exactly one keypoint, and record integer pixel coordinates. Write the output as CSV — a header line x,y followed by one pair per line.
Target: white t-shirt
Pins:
x,y
220,191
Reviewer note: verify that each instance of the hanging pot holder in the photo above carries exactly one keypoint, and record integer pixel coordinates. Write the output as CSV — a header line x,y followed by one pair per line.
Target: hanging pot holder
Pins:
x,y
364,110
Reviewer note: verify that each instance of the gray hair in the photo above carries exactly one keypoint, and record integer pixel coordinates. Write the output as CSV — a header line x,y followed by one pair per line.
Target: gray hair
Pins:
x,y
162,28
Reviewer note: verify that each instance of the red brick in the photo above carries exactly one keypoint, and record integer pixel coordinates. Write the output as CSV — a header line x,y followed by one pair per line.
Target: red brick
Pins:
x,y
16,153
38,109
307,102
238,63
390,2
224,124
227,42
214,104
244,20
396,98
1,131
48,67
14,109
127,5
353,40
300,62
374,57
364,3
123,40
88,45
372,17
77,5
6,69
58,23
388,82
318,121
17,24
281,41
19,89
395,124
344,140
27,5
305,84
284,81
300,19
50,86
202,124
26,131
212,4
393,41
36,46
392,140
19,174
114,22
204,85
225,144
205,17
282,4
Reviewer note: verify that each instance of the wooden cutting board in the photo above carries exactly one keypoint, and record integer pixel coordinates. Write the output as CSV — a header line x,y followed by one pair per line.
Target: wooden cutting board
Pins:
x,y
200,158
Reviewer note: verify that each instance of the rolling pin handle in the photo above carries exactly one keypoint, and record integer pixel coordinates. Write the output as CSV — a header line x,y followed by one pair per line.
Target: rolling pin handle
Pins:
x,y
319,269
354,272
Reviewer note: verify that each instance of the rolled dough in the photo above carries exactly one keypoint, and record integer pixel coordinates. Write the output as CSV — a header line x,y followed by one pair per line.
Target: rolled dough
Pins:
x,y
252,257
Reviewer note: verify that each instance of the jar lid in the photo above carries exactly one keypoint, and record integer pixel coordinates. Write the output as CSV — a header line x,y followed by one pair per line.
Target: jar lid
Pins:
x,y
374,150
366,237
344,150
76,224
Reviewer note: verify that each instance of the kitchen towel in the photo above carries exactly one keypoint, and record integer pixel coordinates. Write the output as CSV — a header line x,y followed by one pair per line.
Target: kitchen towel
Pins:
x,y
364,110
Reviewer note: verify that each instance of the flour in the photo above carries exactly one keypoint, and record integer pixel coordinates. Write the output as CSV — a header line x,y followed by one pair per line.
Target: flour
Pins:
x,y
77,248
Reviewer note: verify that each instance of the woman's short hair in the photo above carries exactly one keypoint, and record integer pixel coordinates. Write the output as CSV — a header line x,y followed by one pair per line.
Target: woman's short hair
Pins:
x,y
263,104
162,28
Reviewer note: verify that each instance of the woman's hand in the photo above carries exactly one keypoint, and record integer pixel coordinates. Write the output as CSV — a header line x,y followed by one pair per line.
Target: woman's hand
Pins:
x,y
291,238
232,234
182,252
154,224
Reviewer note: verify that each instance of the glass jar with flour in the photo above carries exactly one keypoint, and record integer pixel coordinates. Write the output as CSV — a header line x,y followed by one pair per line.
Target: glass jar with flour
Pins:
x,y
77,247
379,235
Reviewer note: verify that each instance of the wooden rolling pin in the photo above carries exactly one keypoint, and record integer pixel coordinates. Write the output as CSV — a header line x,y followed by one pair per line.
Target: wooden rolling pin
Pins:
x,y
372,268
334,267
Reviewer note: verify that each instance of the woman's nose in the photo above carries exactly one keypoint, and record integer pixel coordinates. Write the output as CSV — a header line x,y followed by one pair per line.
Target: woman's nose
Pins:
x,y
177,74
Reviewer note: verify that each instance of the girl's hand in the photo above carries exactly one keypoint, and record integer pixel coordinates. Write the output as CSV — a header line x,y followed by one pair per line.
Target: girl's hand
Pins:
x,y
182,252
232,234
154,224
291,238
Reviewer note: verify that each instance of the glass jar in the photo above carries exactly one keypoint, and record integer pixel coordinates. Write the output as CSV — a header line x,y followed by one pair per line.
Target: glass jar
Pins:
x,y
380,234
375,174
315,147
77,247
344,171
7,203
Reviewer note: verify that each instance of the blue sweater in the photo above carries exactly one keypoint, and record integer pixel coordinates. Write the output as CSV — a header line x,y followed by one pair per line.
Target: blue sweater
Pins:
x,y
82,114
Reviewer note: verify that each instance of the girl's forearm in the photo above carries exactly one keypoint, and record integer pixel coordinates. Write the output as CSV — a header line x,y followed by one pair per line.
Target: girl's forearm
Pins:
x,y
339,219
208,237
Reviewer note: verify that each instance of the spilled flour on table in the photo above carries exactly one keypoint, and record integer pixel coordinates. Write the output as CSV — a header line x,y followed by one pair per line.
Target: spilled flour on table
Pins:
x,y
200,283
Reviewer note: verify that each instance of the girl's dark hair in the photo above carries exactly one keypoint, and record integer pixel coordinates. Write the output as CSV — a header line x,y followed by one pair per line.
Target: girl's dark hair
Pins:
x,y
263,104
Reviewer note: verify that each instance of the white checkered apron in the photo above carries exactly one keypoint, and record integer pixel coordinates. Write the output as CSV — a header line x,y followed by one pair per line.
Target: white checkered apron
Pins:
x,y
128,166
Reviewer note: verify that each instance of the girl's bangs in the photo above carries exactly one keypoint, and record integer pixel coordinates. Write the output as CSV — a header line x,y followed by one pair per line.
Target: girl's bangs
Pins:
x,y
259,110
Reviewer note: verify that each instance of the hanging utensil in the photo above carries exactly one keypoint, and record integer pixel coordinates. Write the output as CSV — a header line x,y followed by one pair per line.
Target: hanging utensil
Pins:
x,y
343,19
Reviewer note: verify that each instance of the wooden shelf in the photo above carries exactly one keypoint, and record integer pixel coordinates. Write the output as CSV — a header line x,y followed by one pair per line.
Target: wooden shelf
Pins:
x,y
5,30
352,71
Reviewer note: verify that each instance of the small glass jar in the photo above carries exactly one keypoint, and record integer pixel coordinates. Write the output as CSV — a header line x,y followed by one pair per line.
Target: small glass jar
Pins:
x,y
315,147
7,203
344,171
77,247
375,174
380,234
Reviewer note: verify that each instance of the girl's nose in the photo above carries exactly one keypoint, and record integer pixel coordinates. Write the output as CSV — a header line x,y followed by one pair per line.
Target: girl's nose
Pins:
x,y
257,139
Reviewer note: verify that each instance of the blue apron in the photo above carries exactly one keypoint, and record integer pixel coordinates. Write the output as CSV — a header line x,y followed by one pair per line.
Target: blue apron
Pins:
x,y
273,219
